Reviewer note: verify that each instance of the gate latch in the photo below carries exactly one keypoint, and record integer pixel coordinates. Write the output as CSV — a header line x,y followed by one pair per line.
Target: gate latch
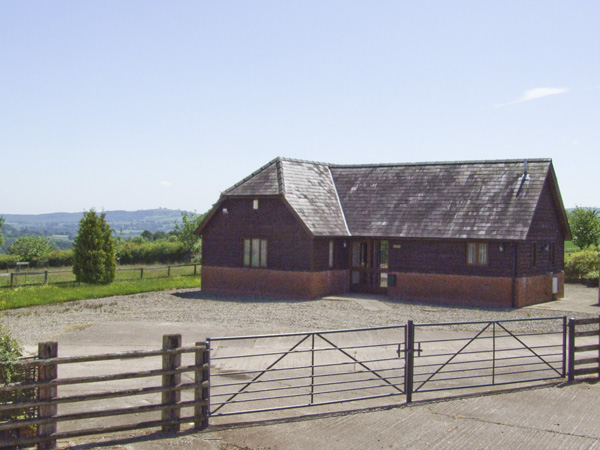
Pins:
x,y
401,350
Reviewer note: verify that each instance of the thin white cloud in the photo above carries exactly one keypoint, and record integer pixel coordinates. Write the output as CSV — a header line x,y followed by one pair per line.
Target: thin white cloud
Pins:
x,y
166,183
533,94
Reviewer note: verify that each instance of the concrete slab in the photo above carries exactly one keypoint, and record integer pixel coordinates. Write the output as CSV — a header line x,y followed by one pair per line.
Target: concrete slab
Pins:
x,y
558,416
578,299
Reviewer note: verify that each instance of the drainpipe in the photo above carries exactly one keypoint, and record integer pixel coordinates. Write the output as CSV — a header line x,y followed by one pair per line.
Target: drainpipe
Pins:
x,y
514,275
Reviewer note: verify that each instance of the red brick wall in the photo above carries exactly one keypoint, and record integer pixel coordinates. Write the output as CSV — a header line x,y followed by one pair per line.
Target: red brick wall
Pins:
x,y
476,291
538,289
453,289
273,283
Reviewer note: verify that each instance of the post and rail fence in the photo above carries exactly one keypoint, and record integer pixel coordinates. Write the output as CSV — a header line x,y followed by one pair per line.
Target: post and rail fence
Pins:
x,y
67,276
233,375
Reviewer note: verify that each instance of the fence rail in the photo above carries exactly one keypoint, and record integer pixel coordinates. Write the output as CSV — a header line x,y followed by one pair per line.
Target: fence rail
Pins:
x,y
32,278
584,347
42,430
228,376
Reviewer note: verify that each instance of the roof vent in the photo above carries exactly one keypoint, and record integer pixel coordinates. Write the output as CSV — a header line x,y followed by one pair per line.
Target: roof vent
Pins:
x,y
523,177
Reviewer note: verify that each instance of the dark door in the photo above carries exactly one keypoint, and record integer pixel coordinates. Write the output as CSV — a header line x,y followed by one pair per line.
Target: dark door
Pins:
x,y
369,265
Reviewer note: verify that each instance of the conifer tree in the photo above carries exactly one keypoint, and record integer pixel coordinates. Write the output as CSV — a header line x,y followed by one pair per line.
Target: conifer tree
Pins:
x,y
94,250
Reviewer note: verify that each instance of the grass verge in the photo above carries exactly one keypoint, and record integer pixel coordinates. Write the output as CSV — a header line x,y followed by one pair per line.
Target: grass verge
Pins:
x,y
23,297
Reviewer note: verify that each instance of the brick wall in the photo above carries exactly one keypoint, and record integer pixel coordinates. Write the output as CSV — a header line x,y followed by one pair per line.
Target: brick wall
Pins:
x,y
538,289
453,289
475,291
273,283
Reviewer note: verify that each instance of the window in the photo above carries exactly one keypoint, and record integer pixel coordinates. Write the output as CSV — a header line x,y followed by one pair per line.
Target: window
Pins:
x,y
255,252
477,254
331,248
255,203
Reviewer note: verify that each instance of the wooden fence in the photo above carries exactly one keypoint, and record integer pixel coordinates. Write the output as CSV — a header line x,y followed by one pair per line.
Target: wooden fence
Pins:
x,y
21,429
584,347
66,276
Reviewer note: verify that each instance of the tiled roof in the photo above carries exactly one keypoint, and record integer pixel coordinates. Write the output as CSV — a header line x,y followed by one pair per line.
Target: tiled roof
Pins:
x,y
309,189
460,200
476,200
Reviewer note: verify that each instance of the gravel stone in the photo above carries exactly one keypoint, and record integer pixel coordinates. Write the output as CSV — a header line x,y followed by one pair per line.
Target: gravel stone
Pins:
x,y
41,323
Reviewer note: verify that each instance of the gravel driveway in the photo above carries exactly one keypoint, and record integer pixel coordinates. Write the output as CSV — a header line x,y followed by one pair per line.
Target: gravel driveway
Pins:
x,y
42,323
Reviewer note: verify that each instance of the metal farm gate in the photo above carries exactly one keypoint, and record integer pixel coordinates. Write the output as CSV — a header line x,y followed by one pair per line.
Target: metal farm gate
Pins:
x,y
295,370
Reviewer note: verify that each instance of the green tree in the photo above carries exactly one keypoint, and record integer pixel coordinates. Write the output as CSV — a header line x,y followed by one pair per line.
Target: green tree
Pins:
x,y
147,235
185,231
10,352
1,236
585,226
94,259
31,248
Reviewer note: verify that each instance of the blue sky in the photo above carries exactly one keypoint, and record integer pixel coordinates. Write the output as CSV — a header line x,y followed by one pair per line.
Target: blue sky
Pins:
x,y
145,104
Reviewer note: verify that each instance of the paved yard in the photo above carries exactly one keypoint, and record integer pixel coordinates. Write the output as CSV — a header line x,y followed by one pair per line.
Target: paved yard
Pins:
x,y
555,416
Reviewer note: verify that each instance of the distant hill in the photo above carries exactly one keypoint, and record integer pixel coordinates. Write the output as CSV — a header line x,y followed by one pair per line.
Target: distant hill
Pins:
x,y
62,227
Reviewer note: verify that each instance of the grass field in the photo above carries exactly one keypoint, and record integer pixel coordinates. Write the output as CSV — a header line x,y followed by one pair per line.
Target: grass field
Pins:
x,y
570,247
30,277
24,296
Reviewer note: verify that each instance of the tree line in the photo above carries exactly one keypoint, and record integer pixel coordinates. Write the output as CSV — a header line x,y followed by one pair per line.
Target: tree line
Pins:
x,y
159,247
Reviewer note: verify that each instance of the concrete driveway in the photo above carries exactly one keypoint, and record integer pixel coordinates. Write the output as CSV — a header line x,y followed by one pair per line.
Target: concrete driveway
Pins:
x,y
550,415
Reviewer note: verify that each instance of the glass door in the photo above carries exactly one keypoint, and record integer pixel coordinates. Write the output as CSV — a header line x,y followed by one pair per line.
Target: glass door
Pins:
x,y
370,260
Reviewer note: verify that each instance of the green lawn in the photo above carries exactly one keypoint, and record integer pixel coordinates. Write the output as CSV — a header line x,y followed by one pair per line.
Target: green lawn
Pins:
x,y
25,296
570,247
36,276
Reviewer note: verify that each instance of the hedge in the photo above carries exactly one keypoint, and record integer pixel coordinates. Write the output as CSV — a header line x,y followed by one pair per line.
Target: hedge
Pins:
x,y
128,252
579,264
151,252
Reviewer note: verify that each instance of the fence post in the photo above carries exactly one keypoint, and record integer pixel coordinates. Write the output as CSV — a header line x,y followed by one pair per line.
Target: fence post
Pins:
x,y
171,361
571,349
46,277
409,363
564,347
141,273
12,279
202,392
168,271
47,350
196,266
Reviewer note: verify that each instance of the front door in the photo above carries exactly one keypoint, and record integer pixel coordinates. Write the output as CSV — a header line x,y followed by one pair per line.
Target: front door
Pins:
x,y
369,265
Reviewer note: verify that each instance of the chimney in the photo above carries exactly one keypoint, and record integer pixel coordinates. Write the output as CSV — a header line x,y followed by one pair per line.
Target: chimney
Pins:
x,y
524,169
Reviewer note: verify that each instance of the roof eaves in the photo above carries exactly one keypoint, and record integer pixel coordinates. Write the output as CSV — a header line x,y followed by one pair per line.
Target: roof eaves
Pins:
x,y
558,197
208,216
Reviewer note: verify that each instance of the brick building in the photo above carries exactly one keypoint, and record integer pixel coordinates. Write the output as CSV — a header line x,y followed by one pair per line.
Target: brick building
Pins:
x,y
488,233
